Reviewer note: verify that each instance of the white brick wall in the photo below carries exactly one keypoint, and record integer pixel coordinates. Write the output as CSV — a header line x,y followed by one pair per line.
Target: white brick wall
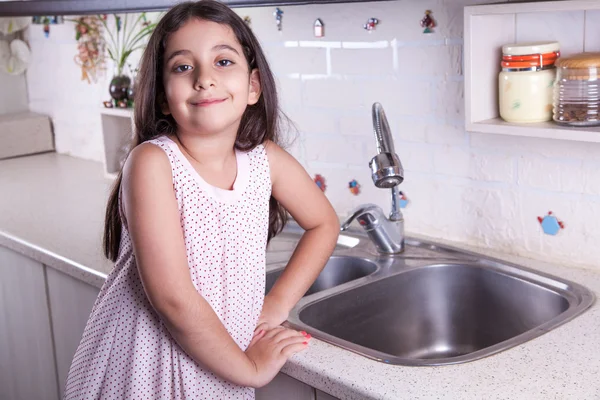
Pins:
x,y
481,189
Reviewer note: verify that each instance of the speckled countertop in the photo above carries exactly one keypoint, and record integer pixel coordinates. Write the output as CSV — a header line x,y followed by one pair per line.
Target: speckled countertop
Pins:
x,y
52,209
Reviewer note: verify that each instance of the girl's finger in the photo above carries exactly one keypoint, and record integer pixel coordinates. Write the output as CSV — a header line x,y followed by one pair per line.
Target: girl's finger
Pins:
x,y
274,331
292,349
261,326
290,341
287,333
257,336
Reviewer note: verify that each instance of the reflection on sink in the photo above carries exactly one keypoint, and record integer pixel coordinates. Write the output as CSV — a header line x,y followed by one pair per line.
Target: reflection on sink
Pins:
x,y
443,313
287,241
338,270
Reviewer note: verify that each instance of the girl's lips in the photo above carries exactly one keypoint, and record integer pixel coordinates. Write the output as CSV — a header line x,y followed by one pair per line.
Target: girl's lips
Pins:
x,y
207,102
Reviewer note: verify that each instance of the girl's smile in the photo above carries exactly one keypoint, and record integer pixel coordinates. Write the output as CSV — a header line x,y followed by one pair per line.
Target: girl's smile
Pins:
x,y
206,102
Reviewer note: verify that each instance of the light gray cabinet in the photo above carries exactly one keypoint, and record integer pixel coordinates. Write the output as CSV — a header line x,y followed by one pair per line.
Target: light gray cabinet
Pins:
x,y
324,396
285,387
27,367
71,302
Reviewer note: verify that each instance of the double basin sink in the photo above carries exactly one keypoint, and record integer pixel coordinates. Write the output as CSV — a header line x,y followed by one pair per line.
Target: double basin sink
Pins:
x,y
430,305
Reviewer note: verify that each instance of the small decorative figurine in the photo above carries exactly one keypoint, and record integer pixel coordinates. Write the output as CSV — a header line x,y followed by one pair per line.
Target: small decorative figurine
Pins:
x,y
320,181
47,21
428,22
319,28
108,104
371,24
354,187
278,16
550,224
403,200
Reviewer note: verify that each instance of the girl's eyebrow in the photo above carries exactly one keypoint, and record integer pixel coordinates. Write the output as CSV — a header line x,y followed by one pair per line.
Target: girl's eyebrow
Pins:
x,y
215,48
225,47
176,53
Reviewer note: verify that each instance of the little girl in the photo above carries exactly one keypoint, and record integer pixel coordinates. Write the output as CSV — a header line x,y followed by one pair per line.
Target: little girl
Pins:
x,y
183,314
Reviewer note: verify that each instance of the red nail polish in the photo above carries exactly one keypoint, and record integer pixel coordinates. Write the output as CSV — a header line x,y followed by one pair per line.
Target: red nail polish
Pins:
x,y
304,333
308,336
305,342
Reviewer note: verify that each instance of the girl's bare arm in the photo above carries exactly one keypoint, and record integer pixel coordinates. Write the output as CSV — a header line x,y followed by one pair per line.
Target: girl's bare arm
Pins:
x,y
307,204
153,222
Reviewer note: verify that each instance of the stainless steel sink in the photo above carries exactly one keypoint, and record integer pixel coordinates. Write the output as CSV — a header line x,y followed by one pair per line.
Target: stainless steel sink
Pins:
x,y
431,305
338,270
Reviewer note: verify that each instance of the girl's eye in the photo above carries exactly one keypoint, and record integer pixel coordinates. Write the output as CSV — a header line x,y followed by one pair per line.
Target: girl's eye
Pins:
x,y
182,68
224,63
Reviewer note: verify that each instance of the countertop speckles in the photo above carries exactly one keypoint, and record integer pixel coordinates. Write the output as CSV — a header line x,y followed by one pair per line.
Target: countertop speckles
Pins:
x,y
53,209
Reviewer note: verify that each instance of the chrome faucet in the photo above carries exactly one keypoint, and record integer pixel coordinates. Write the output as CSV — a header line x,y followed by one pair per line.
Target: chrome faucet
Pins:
x,y
386,170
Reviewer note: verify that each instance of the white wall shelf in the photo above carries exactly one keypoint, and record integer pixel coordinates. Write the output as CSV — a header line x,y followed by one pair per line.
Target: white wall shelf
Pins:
x,y
575,24
117,130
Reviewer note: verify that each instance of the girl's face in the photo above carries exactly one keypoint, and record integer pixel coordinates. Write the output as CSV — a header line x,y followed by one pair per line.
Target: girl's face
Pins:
x,y
206,78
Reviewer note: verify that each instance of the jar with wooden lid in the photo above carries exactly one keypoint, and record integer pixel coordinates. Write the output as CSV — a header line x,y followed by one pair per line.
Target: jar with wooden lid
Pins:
x,y
576,92
525,84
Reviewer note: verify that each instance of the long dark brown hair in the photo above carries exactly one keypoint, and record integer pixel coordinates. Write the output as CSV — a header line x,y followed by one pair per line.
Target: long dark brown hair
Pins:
x,y
260,122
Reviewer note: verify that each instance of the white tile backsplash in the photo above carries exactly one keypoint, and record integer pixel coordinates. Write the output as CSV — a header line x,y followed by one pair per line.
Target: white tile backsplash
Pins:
x,y
530,27
485,190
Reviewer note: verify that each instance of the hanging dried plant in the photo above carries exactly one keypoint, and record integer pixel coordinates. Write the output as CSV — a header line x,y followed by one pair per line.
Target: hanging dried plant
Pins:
x,y
91,47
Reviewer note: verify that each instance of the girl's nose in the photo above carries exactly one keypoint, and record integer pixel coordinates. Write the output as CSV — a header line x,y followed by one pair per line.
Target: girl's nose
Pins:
x,y
204,80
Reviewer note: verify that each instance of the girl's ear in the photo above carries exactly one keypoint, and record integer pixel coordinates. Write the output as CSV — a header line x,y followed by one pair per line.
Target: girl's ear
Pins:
x,y
162,102
255,89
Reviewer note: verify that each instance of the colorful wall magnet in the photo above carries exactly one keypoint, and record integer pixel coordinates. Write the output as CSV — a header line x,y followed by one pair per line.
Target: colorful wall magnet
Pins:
x,y
550,224
354,187
320,181
278,16
319,28
47,21
403,200
428,22
371,24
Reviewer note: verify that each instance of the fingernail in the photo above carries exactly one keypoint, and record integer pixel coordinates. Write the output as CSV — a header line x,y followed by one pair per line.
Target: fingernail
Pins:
x,y
305,342
308,336
304,333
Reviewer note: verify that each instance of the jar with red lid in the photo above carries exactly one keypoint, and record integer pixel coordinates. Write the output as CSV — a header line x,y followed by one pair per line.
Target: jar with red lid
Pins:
x,y
526,82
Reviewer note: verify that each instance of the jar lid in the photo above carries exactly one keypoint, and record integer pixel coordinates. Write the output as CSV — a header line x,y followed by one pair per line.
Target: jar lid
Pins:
x,y
579,60
518,49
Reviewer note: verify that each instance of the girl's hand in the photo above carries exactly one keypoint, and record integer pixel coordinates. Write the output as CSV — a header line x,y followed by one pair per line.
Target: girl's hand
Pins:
x,y
273,314
269,350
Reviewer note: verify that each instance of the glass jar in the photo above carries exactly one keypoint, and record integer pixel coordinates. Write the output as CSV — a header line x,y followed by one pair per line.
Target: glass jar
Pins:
x,y
576,92
525,84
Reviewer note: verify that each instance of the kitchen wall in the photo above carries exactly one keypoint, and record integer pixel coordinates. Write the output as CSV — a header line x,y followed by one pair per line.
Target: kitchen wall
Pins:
x,y
13,90
481,189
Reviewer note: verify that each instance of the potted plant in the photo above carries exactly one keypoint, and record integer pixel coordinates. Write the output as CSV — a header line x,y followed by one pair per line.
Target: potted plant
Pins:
x,y
123,39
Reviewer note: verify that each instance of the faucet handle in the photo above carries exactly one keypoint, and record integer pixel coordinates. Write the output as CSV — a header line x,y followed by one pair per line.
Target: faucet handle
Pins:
x,y
365,214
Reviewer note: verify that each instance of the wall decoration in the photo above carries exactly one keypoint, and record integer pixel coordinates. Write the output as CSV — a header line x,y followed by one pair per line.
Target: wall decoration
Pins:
x,y
354,187
91,47
278,14
550,224
403,199
371,24
428,22
248,20
320,181
47,21
14,56
319,28
10,25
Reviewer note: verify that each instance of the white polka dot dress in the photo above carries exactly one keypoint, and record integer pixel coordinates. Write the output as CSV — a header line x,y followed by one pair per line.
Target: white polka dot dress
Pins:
x,y
126,351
